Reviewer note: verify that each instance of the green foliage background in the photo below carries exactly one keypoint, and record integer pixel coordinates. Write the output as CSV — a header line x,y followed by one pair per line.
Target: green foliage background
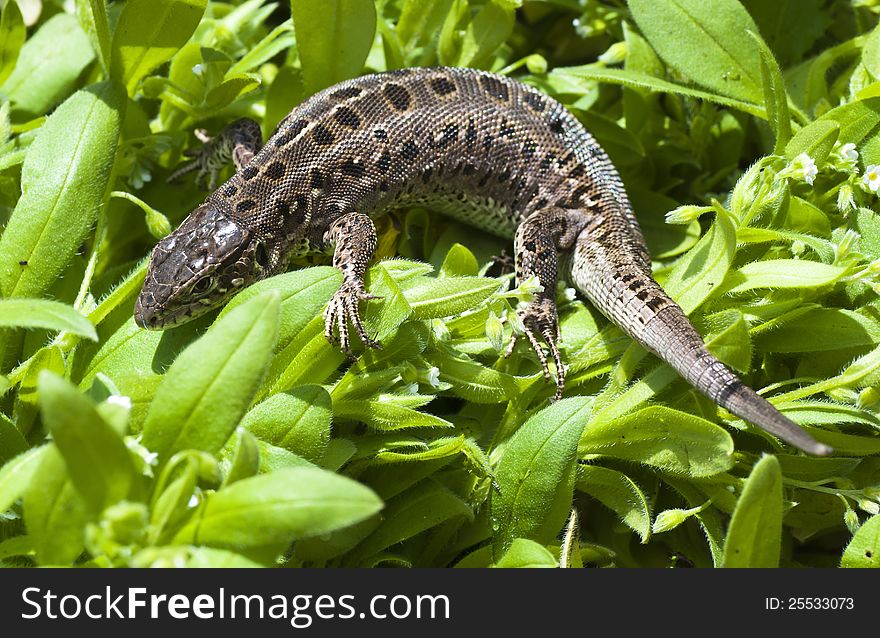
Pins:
x,y
747,135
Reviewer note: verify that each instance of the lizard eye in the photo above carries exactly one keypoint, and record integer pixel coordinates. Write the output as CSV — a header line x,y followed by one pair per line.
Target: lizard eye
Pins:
x,y
261,256
203,285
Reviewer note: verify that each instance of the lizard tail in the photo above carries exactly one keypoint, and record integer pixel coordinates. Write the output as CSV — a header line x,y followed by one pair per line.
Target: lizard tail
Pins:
x,y
628,295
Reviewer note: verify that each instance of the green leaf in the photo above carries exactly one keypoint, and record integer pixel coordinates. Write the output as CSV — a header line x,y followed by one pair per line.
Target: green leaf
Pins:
x,y
333,38
755,532
821,329
536,474
279,507
459,262
150,32
96,457
432,298
704,42
49,65
864,548
211,384
783,273
191,557
525,553
619,493
484,33
17,474
245,458
93,19
297,420
12,37
422,507
64,183
733,344
54,513
473,381
674,441
775,97
816,140
639,80
42,313
699,272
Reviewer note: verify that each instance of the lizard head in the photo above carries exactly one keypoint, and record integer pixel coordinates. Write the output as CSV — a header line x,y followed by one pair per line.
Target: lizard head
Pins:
x,y
199,266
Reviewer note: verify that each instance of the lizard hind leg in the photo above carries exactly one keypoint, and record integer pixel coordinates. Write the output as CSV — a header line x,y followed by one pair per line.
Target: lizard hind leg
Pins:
x,y
537,244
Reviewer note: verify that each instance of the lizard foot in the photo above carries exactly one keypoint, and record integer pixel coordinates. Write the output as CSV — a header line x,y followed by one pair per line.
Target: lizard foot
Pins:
x,y
540,321
207,162
502,264
342,307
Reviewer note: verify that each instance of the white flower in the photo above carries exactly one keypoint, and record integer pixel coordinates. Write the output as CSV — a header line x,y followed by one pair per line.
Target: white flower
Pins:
x,y
121,401
872,177
198,70
570,294
434,376
412,388
848,153
807,167
193,501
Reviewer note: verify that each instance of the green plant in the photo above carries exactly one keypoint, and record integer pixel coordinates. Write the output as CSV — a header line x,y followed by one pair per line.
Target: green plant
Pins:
x,y
747,136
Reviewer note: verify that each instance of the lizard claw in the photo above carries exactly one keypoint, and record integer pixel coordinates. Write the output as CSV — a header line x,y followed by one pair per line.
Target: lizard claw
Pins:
x,y
342,308
204,163
541,322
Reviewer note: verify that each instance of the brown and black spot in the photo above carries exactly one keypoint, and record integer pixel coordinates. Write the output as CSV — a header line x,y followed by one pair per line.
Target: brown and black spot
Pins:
x,y
536,102
249,172
347,117
322,135
506,129
577,171
347,93
230,191
449,135
353,167
381,134
528,148
557,125
292,131
409,151
656,303
442,86
317,178
547,161
275,170
384,162
470,133
397,96
245,206
495,87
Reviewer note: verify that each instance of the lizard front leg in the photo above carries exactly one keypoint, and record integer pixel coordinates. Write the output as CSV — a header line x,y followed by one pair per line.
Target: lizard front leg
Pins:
x,y
238,142
537,244
353,237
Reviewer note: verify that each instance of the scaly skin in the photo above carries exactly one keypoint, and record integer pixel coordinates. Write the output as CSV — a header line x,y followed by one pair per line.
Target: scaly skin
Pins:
x,y
484,149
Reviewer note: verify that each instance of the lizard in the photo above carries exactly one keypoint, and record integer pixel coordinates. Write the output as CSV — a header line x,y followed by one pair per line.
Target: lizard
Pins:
x,y
484,149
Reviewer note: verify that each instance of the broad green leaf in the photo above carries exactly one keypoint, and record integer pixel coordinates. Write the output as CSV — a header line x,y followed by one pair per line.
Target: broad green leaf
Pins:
x,y
12,442
420,20
432,298
459,262
536,474
279,507
775,97
704,41
49,65
821,329
671,440
816,140
618,492
42,313
783,273
93,19
755,532
64,182
698,273
733,345
473,381
150,32
484,33
97,460
790,27
16,475
12,37
245,457
211,384
864,548
639,80
387,412
857,120
807,468
297,420
54,513
422,507
333,38
525,553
